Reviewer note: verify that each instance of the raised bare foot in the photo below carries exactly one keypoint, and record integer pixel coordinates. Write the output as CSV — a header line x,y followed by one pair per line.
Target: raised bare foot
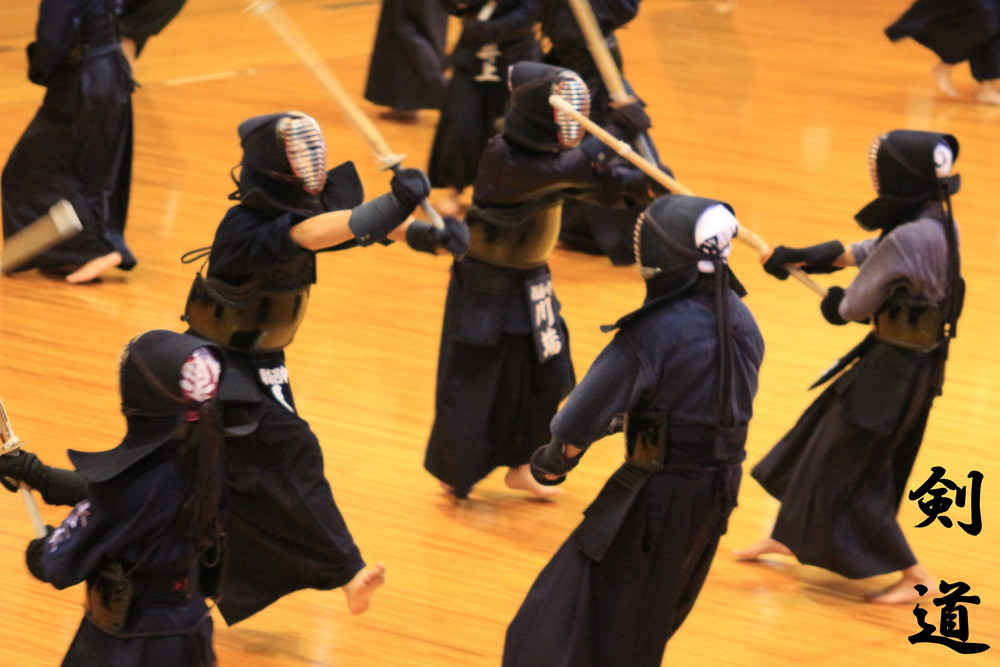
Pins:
x,y
128,49
904,591
359,590
94,268
942,75
449,204
765,546
520,478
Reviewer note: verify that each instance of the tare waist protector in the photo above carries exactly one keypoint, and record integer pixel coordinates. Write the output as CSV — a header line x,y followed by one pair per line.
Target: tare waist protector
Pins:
x,y
910,324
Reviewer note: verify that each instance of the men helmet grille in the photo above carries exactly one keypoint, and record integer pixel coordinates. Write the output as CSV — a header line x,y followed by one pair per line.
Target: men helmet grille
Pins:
x,y
575,92
305,150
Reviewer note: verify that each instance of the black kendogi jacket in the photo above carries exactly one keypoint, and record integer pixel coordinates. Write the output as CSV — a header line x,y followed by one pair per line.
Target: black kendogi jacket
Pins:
x,y
141,19
518,194
511,174
559,23
132,518
665,361
63,30
569,46
509,27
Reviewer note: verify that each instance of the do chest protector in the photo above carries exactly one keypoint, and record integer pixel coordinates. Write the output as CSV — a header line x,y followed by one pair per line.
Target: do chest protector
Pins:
x,y
260,315
521,237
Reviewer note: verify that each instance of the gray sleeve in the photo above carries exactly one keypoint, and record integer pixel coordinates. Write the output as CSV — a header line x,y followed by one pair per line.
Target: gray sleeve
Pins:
x,y
862,249
913,256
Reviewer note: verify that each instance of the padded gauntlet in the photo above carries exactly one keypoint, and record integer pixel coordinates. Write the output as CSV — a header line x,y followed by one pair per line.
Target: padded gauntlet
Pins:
x,y
550,459
818,258
372,221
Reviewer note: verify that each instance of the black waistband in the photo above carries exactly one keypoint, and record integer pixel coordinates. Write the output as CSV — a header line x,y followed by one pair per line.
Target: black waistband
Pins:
x,y
681,459
164,589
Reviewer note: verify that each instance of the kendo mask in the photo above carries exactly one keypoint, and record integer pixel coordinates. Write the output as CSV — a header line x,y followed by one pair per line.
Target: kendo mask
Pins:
x,y
530,120
679,238
284,162
908,169
165,378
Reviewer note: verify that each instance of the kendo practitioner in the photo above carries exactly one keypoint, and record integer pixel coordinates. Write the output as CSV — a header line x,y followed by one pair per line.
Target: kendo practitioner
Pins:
x,y
680,375
407,65
142,19
284,528
841,471
504,361
79,144
495,35
146,532
586,227
957,31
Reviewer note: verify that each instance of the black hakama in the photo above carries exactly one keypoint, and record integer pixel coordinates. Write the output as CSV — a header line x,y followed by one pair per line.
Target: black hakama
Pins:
x,y
79,144
956,31
622,609
284,529
406,71
495,399
850,527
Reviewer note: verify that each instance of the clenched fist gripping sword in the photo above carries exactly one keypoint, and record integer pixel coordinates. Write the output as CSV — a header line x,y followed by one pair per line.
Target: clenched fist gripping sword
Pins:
x,y
272,12
667,181
10,445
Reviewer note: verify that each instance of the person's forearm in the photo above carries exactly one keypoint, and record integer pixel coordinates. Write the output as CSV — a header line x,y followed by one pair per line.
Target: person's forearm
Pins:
x,y
399,233
846,259
323,231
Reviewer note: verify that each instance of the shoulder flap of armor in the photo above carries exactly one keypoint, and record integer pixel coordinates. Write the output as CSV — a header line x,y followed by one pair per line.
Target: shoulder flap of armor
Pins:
x,y
343,189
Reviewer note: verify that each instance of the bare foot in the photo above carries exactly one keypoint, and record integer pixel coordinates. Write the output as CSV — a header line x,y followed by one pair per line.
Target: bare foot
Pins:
x,y
359,590
520,478
765,546
447,488
449,204
128,48
903,591
94,268
942,74
988,93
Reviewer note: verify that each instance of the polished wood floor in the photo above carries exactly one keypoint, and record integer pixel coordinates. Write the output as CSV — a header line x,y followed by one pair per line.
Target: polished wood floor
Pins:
x,y
770,106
